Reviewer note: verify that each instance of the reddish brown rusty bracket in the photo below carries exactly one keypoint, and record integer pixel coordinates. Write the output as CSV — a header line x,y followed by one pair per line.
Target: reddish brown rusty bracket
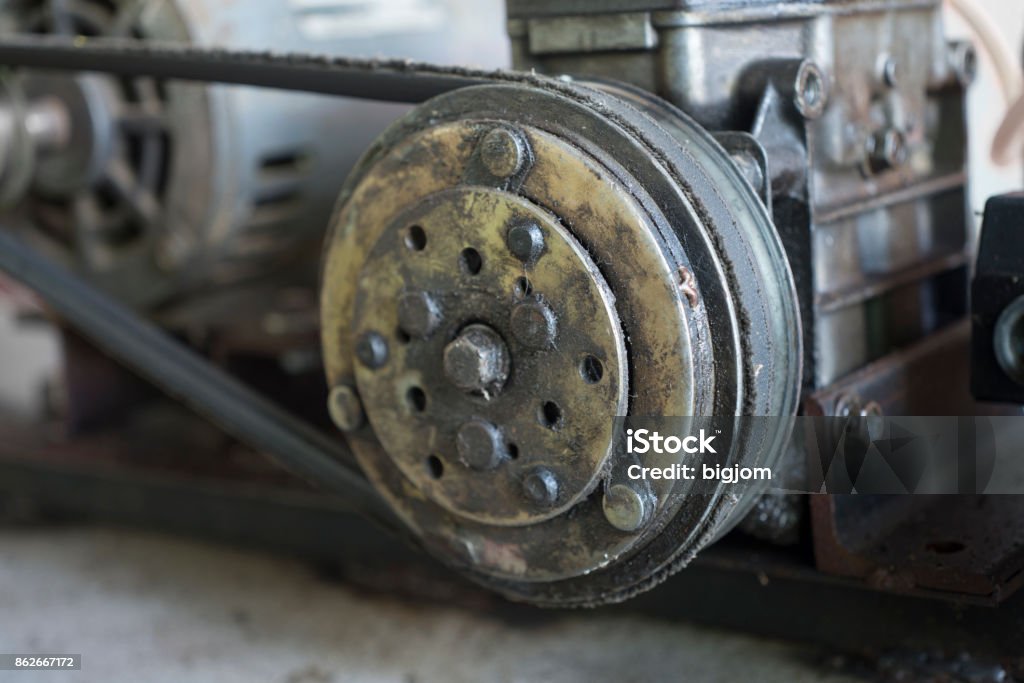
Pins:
x,y
966,545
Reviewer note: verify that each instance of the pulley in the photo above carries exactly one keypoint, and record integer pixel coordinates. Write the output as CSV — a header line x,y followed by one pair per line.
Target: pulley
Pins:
x,y
515,271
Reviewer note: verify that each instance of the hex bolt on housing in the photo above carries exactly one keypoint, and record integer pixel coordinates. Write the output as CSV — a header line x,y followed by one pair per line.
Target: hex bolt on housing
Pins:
x,y
480,445
811,90
541,486
526,242
501,153
418,314
625,508
372,350
477,360
887,149
345,408
963,60
534,324
888,70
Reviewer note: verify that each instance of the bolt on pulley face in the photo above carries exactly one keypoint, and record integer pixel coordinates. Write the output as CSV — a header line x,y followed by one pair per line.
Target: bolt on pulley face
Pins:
x,y
527,289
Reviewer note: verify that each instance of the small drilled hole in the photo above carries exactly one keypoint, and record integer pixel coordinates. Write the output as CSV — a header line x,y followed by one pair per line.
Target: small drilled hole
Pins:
x,y
471,261
415,238
522,288
402,337
945,547
513,451
435,467
417,399
550,415
591,370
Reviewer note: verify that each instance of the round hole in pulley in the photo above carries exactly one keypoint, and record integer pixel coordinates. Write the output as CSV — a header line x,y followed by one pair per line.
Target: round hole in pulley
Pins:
x,y
522,288
470,261
435,467
417,399
591,369
550,415
416,238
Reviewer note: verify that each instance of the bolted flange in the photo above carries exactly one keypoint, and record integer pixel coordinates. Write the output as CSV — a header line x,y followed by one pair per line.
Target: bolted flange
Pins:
x,y
611,269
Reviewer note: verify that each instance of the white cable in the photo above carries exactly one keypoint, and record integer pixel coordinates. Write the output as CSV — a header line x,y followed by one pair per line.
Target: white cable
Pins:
x,y
1008,143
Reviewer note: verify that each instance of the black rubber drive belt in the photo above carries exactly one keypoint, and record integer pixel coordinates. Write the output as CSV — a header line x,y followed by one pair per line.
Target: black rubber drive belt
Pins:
x,y
385,80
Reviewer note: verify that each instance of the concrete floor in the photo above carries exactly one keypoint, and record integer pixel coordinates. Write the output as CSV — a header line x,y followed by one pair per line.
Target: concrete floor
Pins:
x,y
149,608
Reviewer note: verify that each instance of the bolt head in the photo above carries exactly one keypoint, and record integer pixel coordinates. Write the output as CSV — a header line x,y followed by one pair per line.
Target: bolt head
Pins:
x,y
964,61
480,445
541,486
848,405
418,314
888,149
888,70
501,153
477,361
372,350
345,408
811,91
534,324
625,508
526,242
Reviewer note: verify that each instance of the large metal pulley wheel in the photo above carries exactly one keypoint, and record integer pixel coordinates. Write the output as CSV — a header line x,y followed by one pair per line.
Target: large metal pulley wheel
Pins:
x,y
514,272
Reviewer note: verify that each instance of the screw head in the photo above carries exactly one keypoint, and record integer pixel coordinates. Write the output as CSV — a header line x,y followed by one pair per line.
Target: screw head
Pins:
x,y
526,242
418,314
534,324
372,350
501,153
477,360
480,445
625,508
345,408
541,486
